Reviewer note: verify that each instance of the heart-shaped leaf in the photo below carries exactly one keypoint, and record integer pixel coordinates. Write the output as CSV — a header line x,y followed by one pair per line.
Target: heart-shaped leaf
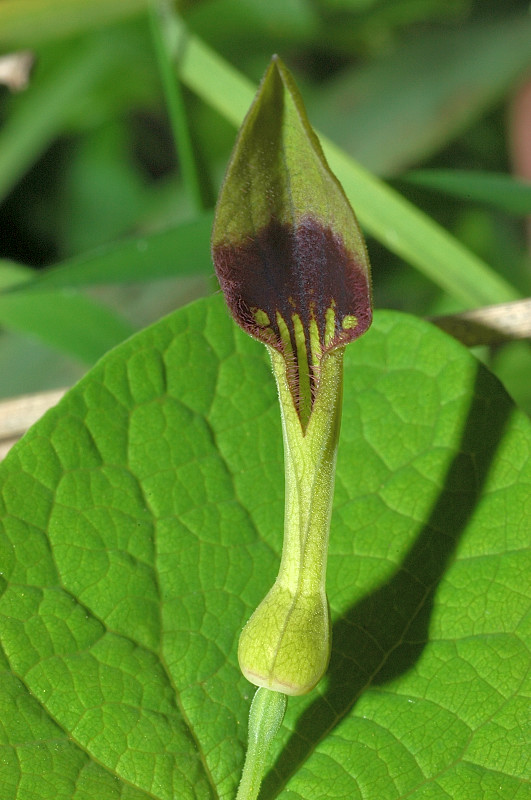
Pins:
x,y
142,521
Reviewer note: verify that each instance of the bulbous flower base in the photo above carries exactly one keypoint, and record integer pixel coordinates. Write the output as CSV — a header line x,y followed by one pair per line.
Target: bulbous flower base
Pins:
x,y
285,646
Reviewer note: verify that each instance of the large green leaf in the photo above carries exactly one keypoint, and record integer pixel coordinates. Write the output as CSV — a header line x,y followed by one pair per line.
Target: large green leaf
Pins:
x,y
142,523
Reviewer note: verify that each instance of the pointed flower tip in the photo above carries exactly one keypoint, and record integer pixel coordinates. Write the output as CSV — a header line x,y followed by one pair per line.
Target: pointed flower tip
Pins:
x,y
288,253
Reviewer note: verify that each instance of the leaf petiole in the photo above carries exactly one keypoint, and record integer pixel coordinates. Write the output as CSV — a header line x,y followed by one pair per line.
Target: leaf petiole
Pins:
x,y
265,718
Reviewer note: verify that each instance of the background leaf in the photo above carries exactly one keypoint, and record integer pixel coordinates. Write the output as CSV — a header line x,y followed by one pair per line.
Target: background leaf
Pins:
x,y
39,114
34,21
76,325
180,250
403,106
72,323
142,523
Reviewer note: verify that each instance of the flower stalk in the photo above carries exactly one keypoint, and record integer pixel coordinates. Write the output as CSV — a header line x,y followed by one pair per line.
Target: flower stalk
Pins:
x,y
265,718
285,645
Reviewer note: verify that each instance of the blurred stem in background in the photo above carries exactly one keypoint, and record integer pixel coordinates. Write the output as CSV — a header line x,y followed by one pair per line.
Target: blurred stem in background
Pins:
x,y
164,35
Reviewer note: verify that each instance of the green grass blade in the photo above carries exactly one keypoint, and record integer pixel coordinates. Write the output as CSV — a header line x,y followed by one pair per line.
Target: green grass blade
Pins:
x,y
495,189
415,237
383,212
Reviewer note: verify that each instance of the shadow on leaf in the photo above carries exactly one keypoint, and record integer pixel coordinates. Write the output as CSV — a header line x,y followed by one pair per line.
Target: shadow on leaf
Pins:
x,y
382,636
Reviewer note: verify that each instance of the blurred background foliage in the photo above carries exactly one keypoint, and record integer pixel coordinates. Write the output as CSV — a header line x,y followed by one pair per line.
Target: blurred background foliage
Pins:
x,y
109,167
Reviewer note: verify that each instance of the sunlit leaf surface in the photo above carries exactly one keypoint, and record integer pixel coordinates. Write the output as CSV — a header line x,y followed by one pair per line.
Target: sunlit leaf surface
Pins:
x,y
142,522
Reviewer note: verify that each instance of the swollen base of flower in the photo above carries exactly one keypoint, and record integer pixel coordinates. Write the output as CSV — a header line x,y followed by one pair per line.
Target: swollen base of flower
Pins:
x,y
285,646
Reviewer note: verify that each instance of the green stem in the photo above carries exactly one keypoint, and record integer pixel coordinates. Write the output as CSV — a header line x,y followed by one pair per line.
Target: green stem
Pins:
x,y
162,29
265,718
310,460
285,646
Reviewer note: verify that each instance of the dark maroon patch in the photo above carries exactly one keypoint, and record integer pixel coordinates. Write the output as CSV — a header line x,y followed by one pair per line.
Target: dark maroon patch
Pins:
x,y
301,270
